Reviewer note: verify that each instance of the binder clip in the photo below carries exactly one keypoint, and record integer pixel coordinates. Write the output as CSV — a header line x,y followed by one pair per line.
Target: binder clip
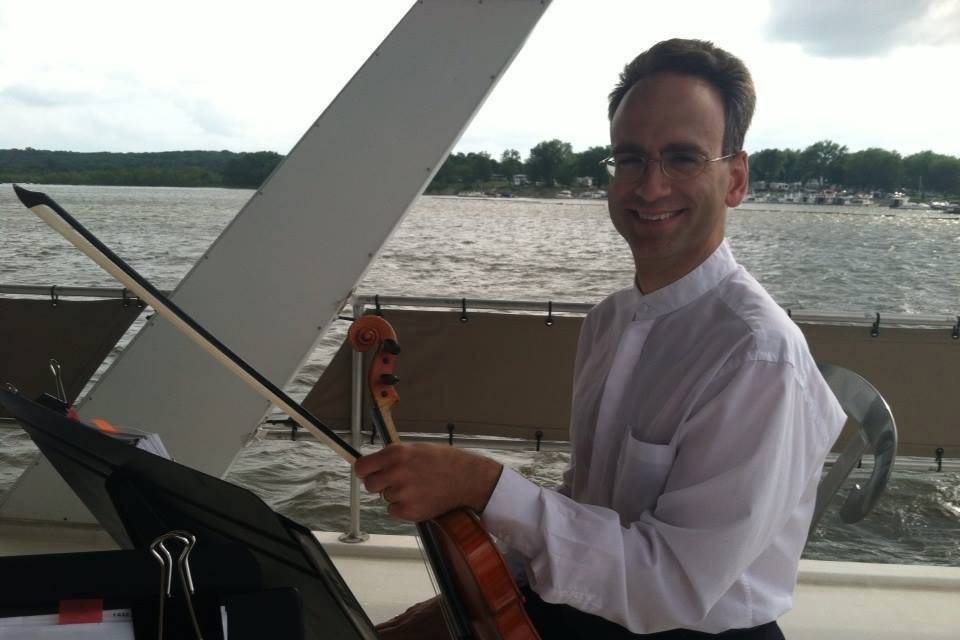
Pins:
x,y
57,402
159,550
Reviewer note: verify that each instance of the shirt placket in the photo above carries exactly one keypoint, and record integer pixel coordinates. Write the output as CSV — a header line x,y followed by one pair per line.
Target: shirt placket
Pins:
x,y
611,423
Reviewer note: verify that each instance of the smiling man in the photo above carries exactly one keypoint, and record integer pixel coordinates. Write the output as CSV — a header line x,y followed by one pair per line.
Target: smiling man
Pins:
x,y
699,422
673,216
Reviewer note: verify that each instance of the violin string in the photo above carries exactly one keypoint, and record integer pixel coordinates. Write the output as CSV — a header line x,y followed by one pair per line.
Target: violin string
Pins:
x,y
444,606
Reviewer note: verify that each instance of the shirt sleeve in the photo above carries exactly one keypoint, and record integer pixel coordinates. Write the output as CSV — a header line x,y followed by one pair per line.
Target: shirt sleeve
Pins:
x,y
742,464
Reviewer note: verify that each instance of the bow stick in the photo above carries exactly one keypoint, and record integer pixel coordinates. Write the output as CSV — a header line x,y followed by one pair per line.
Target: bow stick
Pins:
x,y
64,224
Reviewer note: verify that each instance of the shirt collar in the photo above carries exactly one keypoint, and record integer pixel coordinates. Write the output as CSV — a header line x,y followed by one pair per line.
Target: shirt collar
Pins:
x,y
702,279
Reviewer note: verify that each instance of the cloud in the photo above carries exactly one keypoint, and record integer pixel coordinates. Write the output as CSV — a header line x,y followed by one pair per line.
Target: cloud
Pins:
x,y
208,117
43,97
863,28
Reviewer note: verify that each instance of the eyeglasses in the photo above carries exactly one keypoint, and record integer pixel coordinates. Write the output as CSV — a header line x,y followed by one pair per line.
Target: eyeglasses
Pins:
x,y
676,165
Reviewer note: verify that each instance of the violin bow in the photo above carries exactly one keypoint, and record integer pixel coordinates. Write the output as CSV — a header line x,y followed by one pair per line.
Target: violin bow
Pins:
x,y
65,224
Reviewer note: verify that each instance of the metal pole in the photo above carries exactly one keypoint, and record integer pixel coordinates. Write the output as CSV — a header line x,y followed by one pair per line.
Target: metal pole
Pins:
x,y
356,413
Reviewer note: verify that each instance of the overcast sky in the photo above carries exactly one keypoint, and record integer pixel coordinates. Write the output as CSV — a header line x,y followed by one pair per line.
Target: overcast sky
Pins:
x,y
103,75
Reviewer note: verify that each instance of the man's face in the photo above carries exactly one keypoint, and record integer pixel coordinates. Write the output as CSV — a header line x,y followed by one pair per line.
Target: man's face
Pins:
x,y
672,225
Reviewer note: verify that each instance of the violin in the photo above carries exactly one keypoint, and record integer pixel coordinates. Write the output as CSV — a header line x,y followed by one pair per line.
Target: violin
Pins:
x,y
479,596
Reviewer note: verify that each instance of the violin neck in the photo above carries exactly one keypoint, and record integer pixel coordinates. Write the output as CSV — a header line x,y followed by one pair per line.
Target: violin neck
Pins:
x,y
383,423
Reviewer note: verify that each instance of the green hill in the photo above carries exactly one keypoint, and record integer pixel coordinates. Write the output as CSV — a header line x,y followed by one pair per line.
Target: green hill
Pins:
x,y
161,169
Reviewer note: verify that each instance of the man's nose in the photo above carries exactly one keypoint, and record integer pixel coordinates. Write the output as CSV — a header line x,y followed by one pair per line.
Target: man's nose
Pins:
x,y
653,184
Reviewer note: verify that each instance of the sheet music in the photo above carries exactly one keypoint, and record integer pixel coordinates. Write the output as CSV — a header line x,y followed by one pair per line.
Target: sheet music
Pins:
x,y
117,625
151,442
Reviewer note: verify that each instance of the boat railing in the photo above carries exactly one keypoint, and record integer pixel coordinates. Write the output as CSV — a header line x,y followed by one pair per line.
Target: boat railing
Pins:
x,y
276,426
871,322
57,291
530,306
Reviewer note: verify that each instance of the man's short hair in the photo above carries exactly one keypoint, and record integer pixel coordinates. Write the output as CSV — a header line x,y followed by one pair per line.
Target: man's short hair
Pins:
x,y
724,71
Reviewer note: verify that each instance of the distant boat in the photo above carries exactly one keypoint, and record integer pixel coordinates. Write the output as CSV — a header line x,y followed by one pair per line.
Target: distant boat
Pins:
x,y
828,196
795,197
860,199
900,200
592,195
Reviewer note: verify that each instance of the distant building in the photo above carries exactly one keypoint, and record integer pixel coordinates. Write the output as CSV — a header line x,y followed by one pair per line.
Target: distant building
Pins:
x,y
520,179
584,181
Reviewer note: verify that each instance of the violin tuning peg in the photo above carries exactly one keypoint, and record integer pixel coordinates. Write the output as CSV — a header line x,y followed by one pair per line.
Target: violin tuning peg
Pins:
x,y
389,378
391,346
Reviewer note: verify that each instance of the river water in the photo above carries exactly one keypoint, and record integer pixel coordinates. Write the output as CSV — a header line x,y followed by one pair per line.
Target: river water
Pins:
x,y
862,259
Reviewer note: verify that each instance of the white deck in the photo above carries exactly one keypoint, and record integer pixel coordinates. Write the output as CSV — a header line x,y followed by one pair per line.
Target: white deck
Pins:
x,y
833,599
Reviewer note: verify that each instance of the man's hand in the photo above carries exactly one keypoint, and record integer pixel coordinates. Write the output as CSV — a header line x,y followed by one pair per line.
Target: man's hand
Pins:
x,y
422,481
422,621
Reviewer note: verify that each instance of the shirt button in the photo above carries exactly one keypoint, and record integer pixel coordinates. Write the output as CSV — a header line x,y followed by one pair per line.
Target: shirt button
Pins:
x,y
645,307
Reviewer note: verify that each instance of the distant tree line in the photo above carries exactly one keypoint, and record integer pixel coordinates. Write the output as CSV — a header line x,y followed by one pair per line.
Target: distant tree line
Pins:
x,y
162,169
867,170
554,163
551,163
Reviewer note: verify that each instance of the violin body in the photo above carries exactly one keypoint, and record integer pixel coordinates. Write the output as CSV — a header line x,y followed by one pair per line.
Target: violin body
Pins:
x,y
493,603
481,599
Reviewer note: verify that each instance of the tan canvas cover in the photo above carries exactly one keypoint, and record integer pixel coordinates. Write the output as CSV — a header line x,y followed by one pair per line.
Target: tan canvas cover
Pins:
x,y
510,375
497,374
916,370
79,334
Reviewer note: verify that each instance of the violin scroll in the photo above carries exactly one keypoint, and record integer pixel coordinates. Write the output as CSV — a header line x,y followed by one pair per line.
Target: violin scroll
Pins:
x,y
368,332
373,332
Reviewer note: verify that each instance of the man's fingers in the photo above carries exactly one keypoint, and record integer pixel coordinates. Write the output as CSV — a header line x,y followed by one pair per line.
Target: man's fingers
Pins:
x,y
392,495
370,463
406,511
395,477
424,480
423,621
376,482
390,456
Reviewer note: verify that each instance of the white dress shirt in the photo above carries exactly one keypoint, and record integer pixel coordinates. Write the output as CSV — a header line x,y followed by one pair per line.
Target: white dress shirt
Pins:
x,y
699,426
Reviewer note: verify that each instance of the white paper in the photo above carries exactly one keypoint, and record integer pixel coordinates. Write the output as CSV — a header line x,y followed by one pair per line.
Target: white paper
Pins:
x,y
151,442
117,625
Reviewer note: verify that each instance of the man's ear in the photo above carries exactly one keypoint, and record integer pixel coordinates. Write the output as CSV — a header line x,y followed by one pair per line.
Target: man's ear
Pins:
x,y
739,179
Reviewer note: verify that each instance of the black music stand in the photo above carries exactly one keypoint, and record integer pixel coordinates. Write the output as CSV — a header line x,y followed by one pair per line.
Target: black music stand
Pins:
x,y
137,496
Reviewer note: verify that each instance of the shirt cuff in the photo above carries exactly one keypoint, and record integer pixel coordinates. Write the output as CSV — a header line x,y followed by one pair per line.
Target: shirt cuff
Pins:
x,y
513,513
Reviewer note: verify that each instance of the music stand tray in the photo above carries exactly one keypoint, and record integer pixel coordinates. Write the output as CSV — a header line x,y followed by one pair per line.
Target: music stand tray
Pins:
x,y
137,496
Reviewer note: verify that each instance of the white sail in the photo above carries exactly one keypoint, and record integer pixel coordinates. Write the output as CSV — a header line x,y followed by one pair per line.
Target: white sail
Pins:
x,y
280,272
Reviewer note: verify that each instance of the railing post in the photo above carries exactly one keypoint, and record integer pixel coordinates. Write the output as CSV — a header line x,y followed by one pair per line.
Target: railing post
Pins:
x,y
356,413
